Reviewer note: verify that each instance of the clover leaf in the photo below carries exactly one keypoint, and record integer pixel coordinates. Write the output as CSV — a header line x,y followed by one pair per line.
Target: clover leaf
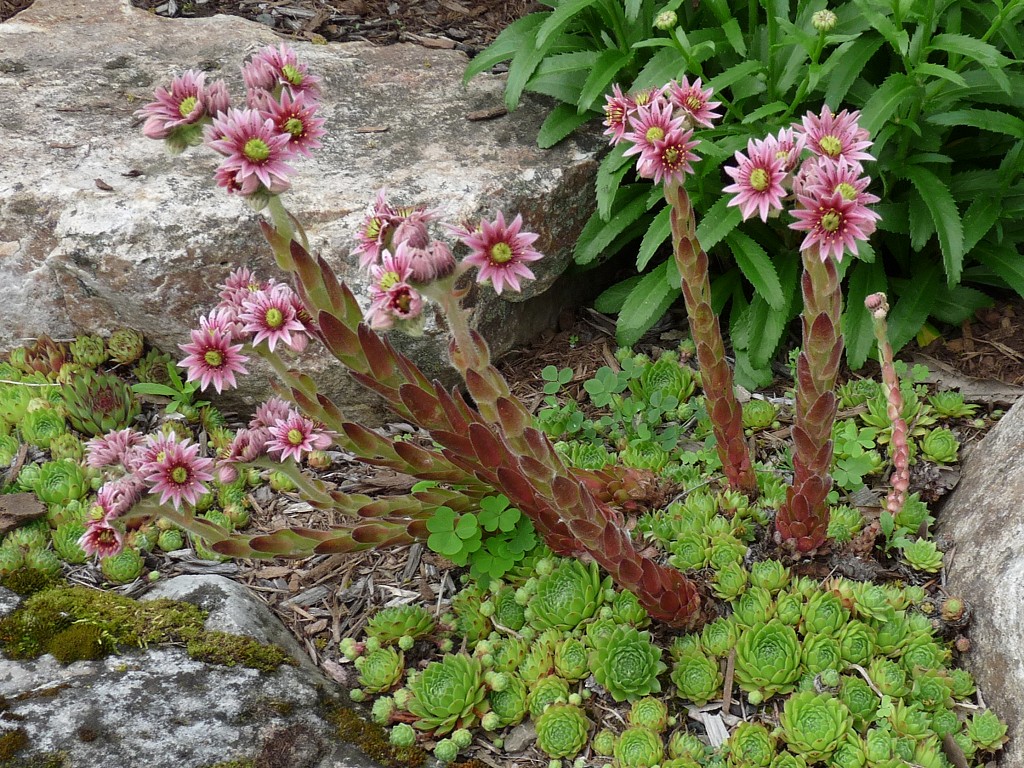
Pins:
x,y
454,536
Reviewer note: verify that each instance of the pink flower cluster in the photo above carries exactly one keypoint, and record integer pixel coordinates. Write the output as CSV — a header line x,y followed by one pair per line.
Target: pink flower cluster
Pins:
x,y
396,248
659,124
278,123
829,185
249,312
162,464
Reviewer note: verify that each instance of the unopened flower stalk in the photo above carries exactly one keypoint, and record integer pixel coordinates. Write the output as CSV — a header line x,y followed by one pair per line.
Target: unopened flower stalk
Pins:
x,y
900,478
802,521
716,375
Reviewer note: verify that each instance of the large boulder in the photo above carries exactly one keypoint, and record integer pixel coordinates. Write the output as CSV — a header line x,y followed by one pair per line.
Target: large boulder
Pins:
x,y
101,228
159,708
984,519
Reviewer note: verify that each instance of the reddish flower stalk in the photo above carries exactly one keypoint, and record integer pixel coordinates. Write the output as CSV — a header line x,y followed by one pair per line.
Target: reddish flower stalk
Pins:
x,y
802,522
716,375
899,448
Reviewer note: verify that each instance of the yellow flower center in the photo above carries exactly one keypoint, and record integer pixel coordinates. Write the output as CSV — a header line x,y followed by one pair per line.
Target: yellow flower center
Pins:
x,y
403,302
671,156
694,103
291,74
831,145
213,358
847,191
295,436
256,150
830,221
759,179
179,475
389,280
654,133
501,253
293,126
187,105
274,318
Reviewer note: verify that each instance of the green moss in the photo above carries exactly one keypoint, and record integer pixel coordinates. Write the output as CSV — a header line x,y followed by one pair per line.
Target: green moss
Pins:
x,y
40,760
28,581
373,740
72,620
233,650
244,762
12,742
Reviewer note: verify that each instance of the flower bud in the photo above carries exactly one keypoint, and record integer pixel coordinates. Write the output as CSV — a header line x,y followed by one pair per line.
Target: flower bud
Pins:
x,y
824,21
665,20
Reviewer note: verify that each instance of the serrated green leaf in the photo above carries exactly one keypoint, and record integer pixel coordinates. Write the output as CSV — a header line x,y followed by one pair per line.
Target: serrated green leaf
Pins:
x,y
896,91
756,267
613,168
630,204
985,54
662,67
560,122
914,304
719,221
520,71
646,303
858,331
945,215
1005,262
612,299
561,16
775,108
956,304
985,119
734,74
607,66
921,225
633,9
562,75
659,231
944,73
853,60
979,218
734,35
896,37
515,37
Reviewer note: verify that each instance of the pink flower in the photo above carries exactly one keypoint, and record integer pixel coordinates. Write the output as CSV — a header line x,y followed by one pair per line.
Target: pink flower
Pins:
x,y
670,158
788,146
179,473
758,176
280,66
616,114
391,297
255,150
694,102
271,316
430,263
118,496
845,179
213,358
185,103
650,124
833,223
293,115
835,136
101,539
501,252
269,413
111,448
296,436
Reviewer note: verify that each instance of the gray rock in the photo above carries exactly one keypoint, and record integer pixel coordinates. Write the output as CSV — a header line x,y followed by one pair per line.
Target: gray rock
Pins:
x,y
159,708
984,518
76,256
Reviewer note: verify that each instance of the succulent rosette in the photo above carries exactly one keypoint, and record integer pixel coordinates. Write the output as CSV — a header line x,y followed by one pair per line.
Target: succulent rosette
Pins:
x,y
125,346
567,596
719,637
90,351
788,760
41,426
813,724
849,753
940,445
389,625
769,574
649,712
572,659
754,606
730,582
380,670
889,677
682,743
626,609
697,678
562,730
821,652
690,552
922,555
628,664
509,704
909,721
507,610
963,683
768,660
750,745
638,747
447,694
858,697
758,414
932,689
546,691
987,731
65,542
923,652
60,482
99,403
122,568
539,659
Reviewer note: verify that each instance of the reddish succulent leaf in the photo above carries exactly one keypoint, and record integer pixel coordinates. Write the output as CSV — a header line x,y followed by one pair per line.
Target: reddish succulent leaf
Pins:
x,y
417,529
566,493
457,415
537,471
331,283
377,352
460,444
342,544
540,446
489,450
329,409
365,440
517,487
513,416
306,269
233,548
585,531
423,405
342,342
373,533
480,388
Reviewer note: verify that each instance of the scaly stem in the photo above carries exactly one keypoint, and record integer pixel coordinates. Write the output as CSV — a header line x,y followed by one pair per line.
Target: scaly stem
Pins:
x,y
803,520
716,375
899,449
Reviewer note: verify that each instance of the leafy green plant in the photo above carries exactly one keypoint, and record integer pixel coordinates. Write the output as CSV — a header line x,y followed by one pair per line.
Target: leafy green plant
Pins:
x,y
181,394
928,78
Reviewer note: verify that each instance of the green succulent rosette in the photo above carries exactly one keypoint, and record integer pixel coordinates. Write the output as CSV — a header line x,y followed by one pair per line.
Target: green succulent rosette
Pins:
x,y
844,522
170,540
122,568
769,574
892,636
679,762
447,694
754,606
67,446
697,678
683,645
945,722
730,582
913,514
561,730
719,637
389,625
572,659
725,549
922,555
470,621
789,608
42,426
628,664
849,753
99,403
540,657
987,731
932,689
909,720
665,376
820,652
940,446
44,561
858,697
603,742
509,704
856,642
750,745
889,677
788,760
871,602
649,712
813,724
638,747
380,670
125,346
768,660
645,454
758,414
65,542
60,482
963,683
626,609
682,743
567,596
922,652
546,691
90,351
508,654
824,614
507,610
